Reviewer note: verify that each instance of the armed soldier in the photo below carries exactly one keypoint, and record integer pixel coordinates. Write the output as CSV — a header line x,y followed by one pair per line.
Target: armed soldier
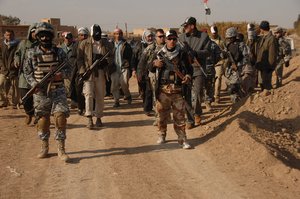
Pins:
x,y
174,70
238,56
284,55
90,50
19,60
51,98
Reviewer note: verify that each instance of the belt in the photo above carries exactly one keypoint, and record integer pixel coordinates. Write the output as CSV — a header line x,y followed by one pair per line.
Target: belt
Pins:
x,y
52,87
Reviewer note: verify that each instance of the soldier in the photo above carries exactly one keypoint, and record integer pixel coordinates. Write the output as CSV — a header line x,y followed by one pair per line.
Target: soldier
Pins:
x,y
89,51
50,99
237,57
266,57
219,67
174,70
199,43
284,55
19,60
122,70
8,71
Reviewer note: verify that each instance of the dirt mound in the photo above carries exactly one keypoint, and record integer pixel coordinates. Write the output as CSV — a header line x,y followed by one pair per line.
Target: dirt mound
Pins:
x,y
260,135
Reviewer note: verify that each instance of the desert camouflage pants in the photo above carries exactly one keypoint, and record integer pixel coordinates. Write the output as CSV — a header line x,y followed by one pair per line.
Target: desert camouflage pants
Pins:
x,y
164,104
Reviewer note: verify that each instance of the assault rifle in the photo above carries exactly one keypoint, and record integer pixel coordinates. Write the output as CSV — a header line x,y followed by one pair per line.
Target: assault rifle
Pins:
x,y
229,55
44,81
194,60
89,71
173,67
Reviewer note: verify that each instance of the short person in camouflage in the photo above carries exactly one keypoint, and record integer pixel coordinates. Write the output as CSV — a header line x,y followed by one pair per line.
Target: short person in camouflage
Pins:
x,y
237,57
50,99
174,71
284,55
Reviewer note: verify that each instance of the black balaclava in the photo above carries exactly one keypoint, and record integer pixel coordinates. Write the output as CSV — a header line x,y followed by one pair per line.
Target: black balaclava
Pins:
x,y
45,38
96,32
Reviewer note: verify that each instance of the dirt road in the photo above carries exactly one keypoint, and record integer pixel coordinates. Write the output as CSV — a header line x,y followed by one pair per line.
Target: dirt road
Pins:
x,y
122,160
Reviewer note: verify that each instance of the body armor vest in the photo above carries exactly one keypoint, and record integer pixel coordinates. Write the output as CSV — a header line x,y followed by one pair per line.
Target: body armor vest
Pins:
x,y
168,74
46,63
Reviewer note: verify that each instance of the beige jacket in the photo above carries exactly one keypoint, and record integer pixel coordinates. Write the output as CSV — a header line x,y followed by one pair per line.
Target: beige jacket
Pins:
x,y
85,54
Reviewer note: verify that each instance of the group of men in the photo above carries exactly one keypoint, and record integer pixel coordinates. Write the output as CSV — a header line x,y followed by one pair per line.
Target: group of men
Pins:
x,y
175,73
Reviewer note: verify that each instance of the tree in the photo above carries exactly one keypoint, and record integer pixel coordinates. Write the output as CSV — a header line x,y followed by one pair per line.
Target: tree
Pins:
x,y
9,20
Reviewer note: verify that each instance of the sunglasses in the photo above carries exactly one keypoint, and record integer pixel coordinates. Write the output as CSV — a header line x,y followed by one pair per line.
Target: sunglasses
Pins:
x,y
161,36
173,39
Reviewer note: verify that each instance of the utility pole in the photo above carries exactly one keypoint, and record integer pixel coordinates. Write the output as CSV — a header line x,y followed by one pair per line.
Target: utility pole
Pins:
x,y
126,33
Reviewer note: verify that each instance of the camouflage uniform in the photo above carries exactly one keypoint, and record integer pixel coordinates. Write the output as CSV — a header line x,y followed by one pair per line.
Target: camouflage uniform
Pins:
x,y
50,99
169,95
239,53
284,56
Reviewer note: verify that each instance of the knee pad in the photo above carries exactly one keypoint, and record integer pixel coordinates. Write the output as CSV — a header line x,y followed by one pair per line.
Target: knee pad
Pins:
x,y
60,121
43,124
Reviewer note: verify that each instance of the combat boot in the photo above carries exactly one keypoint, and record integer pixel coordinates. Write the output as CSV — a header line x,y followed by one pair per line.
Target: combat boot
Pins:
x,y
161,138
183,143
208,106
99,122
44,149
217,99
61,151
28,119
197,120
90,124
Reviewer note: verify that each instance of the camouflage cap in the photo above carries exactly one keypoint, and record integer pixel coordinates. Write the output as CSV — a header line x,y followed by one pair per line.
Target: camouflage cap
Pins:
x,y
44,27
278,30
231,32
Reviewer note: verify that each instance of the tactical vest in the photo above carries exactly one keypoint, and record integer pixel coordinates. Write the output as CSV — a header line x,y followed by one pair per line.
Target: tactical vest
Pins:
x,y
168,76
46,63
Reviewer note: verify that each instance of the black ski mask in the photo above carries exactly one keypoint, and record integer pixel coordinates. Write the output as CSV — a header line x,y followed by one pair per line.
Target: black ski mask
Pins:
x,y
45,39
96,32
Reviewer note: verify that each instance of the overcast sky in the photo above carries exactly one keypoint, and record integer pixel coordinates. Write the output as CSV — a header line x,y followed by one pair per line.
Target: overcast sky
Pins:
x,y
151,13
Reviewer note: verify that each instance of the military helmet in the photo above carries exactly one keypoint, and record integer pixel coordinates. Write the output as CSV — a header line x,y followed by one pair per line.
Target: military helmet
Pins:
x,y
44,27
231,32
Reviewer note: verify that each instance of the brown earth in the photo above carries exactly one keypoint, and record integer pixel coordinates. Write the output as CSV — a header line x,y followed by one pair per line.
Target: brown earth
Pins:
x,y
248,150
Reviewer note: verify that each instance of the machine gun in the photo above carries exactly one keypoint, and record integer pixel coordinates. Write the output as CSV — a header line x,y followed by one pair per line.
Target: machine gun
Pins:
x,y
88,73
44,81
